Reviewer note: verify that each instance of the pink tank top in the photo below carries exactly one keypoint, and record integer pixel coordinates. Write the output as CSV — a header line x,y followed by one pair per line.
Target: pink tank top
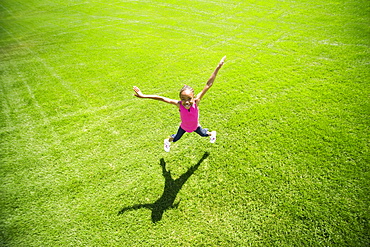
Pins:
x,y
189,118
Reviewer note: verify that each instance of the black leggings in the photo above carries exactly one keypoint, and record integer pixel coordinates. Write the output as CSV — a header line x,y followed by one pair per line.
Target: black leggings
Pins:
x,y
180,132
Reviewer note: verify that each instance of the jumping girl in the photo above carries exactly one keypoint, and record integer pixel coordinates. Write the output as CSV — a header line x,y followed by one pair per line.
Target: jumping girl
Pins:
x,y
188,107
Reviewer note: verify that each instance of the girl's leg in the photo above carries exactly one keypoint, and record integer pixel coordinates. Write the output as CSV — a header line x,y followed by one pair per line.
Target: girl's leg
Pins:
x,y
177,136
204,132
173,138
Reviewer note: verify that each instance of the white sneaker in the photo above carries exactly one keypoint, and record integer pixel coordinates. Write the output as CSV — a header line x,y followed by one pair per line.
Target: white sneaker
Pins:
x,y
166,145
212,137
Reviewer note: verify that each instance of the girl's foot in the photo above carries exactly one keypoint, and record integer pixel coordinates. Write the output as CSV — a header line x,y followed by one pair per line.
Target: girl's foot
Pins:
x,y
166,145
213,137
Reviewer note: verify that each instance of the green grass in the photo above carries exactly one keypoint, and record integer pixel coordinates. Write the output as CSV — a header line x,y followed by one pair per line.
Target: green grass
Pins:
x,y
291,106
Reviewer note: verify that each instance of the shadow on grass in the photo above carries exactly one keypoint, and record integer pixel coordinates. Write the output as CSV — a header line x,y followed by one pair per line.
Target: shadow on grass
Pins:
x,y
171,189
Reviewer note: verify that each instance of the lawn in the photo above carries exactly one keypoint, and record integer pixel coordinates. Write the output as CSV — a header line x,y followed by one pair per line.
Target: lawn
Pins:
x,y
82,159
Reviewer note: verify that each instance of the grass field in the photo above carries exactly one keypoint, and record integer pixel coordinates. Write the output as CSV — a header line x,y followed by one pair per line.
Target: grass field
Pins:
x,y
82,160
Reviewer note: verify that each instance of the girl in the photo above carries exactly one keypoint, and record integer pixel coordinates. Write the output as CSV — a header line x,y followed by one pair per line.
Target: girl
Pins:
x,y
188,107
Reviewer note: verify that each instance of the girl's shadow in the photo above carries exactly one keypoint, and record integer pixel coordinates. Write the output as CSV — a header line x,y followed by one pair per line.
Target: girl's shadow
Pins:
x,y
171,189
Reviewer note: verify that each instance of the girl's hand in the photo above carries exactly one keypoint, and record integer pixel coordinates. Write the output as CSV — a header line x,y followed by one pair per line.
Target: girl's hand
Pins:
x,y
222,61
138,92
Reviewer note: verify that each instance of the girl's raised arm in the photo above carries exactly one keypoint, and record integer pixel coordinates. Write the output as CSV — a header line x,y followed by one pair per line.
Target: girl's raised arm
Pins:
x,y
210,80
139,94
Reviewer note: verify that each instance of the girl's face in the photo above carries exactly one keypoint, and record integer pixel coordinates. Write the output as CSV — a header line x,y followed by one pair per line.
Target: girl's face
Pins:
x,y
187,98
